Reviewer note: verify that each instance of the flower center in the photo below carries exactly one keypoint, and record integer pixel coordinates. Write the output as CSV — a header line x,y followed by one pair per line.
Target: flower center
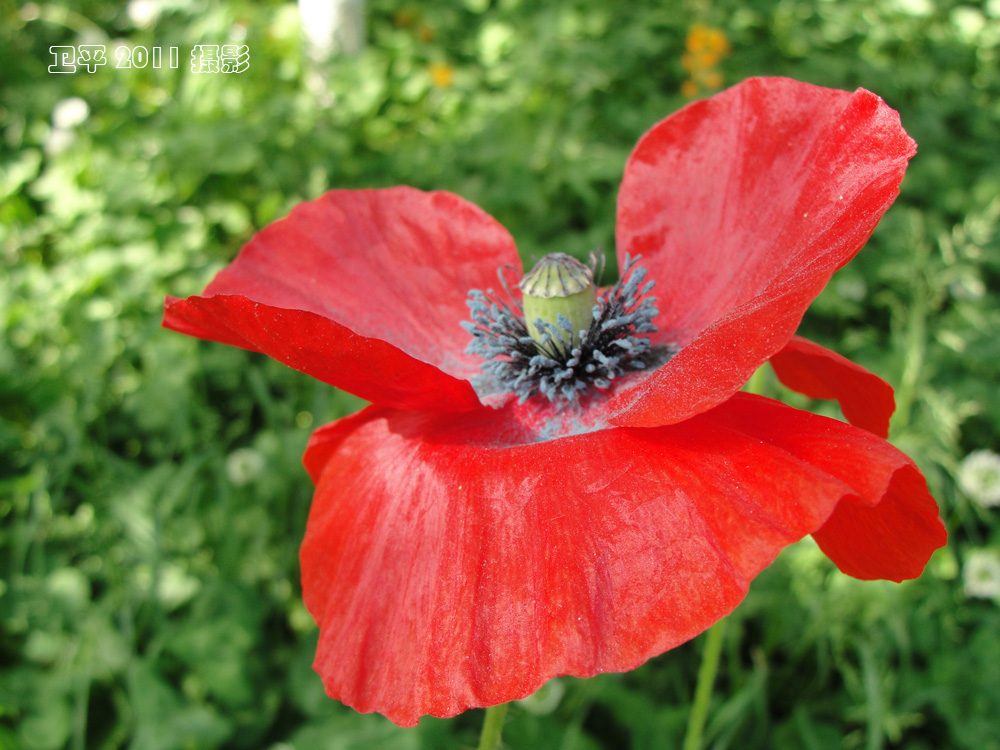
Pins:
x,y
564,337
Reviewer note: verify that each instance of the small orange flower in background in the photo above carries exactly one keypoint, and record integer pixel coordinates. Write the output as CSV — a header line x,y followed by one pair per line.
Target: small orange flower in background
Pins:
x,y
410,17
405,17
442,75
706,46
425,33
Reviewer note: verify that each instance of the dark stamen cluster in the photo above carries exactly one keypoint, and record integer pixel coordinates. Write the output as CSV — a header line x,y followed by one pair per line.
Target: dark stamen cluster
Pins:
x,y
607,350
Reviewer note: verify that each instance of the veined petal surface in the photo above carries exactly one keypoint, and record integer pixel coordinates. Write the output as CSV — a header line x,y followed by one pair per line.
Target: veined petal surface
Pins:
x,y
323,348
866,400
452,562
743,206
391,266
889,525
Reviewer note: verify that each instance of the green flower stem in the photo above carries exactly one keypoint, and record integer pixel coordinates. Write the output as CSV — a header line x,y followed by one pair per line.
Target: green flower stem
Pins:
x,y
703,692
714,637
493,727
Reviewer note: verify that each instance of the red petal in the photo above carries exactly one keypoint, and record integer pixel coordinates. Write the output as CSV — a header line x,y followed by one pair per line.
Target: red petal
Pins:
x,y
742,207
385,265
889,526
865,399
452,562
326,350
891,540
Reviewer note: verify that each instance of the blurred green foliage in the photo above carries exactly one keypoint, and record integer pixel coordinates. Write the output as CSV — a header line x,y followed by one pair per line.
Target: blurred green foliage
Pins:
x,y
151,495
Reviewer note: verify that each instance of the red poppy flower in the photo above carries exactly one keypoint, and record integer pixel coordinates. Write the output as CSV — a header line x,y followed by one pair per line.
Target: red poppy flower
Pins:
x,y
460,554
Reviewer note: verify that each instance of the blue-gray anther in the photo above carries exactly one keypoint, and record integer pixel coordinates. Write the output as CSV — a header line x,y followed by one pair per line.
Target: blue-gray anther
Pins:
x,y
566,351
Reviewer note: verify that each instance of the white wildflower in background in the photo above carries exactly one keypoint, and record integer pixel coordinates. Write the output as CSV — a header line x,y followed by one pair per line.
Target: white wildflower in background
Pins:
x,y
968,286
143,13
854,290
545,700
981,574
979,477
243,466
66,115
69,113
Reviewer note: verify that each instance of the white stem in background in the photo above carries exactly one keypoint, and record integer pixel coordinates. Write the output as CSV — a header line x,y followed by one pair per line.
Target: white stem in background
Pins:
x,y
333,27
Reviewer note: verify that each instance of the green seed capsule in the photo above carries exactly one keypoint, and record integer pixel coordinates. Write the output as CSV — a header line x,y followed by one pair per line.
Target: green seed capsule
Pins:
x,y
559,285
